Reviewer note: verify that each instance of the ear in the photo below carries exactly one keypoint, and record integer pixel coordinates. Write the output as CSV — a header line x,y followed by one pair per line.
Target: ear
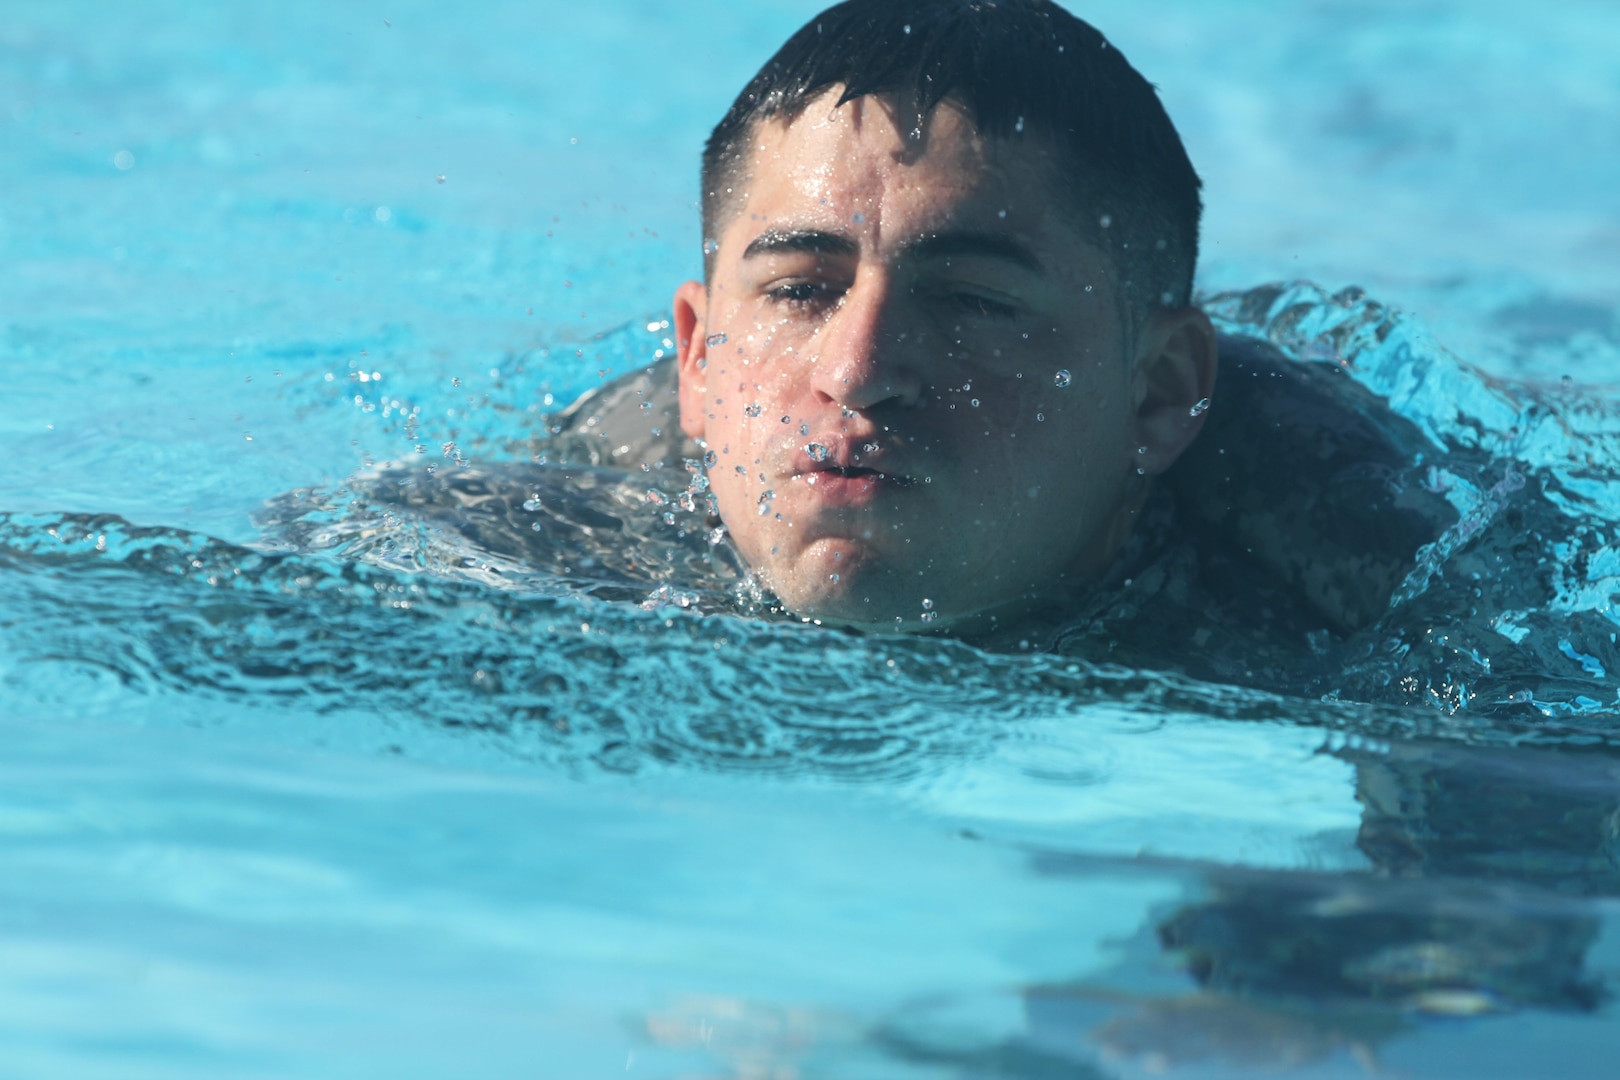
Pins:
x,y
1175,371
692,354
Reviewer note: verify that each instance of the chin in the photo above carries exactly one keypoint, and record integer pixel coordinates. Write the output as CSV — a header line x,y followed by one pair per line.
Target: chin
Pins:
x,y
862,605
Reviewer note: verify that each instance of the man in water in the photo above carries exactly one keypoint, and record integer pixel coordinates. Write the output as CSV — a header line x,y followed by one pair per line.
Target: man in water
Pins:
x,y
945,344
945,339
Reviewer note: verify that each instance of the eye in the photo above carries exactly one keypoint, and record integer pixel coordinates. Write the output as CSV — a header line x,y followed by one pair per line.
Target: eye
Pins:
x,y
977,305
801,295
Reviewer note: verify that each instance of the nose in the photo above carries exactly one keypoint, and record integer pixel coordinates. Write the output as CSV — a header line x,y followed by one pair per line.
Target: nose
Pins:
x,y
864,356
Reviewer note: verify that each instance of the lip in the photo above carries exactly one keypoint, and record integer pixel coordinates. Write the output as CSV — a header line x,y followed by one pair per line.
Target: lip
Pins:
x,y
831,487
841,477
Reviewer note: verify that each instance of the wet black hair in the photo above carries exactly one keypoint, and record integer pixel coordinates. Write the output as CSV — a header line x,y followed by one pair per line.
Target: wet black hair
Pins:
x,y
1019,68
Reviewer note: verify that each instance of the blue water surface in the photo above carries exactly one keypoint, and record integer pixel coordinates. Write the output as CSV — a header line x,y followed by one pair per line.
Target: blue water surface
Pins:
x,y
276,815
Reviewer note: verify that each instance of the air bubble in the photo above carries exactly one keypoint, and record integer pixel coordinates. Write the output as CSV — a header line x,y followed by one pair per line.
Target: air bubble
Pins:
x,y
834,578
1062,379
752,410
929,616
974,402
532,503
1040,417
1019,126
928,605
765,503
714,340
710,246
717,534
1199,409
817,451
804,429
1106,221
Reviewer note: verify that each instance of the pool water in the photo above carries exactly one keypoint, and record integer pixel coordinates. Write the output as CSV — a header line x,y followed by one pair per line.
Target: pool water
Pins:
x,y
272,813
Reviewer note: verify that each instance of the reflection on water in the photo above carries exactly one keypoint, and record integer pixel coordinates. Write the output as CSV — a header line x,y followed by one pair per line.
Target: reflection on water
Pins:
x,y
1478,903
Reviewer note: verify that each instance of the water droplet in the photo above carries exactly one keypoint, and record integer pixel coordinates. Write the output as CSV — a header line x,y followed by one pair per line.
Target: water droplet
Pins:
x,y
1199,409
765,503
710,247
752,410
817,451
1062,379
714,340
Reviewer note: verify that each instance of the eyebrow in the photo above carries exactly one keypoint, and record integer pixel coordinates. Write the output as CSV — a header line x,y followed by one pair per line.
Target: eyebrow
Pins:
x,y
802,241
945,245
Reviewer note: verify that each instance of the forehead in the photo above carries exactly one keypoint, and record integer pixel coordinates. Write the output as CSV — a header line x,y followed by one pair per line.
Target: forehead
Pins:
x,y
862,151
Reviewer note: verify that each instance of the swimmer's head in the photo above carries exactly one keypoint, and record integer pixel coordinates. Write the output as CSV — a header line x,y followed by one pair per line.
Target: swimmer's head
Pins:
x,y
944,341
1018,69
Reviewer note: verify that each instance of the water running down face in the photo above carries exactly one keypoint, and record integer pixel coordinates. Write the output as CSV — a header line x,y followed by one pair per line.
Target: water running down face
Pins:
x,y
911,367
